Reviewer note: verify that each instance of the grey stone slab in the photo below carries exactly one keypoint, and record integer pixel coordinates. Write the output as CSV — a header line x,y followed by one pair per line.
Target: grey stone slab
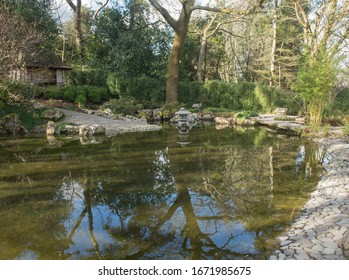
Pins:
x,y
288,252
302,256
285,243
328,251
330,245
317,248
316,256
331,257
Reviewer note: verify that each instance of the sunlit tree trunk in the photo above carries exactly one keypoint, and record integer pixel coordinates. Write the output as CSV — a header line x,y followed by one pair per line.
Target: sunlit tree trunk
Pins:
x,y
172,79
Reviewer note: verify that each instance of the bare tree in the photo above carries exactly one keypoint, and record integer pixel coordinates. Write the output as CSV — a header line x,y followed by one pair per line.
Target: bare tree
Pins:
x,y
325,25
18,41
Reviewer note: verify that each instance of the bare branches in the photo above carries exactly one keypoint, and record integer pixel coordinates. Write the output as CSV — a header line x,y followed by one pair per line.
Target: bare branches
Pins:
x,y
228,10
18,40
102,5
325,26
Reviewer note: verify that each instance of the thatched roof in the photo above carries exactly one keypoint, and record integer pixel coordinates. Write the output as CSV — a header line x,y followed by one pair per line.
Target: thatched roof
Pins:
x,y
46,60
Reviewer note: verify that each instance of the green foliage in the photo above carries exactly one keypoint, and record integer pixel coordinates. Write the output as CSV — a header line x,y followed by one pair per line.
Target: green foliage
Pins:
x,y
127,44
82,94
96,78
52,92
346,129
215,110
113,84
315,83
124,106
29,116
144,89
341,102
16,92
245,115
265,96
247,96
190,92
69,94
188,60
81,99
231,96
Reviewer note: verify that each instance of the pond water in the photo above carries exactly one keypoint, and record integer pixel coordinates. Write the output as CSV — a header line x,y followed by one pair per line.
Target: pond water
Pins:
x,y
215,194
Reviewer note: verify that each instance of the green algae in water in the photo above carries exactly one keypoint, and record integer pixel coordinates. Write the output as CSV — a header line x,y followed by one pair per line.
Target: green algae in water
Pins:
x,y
218,194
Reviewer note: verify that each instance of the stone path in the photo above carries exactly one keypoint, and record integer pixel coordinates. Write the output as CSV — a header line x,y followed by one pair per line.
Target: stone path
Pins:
x,y
112,126
270,120
323,224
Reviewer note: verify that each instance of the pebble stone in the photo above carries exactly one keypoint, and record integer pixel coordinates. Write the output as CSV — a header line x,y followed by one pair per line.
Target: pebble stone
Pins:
x,y
323,223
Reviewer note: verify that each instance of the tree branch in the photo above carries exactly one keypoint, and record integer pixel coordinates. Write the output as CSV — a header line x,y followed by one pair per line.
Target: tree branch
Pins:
x,y
169,19
226,10
101,7
72,5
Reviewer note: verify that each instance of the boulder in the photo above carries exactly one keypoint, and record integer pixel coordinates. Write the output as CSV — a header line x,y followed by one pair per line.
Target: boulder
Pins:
x,y
220,120
12,124
196,106
70,130
108,112
52,115
207,117
90,130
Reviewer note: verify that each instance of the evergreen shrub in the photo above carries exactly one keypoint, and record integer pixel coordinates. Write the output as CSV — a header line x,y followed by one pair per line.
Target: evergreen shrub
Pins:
x,y
144,89
124,106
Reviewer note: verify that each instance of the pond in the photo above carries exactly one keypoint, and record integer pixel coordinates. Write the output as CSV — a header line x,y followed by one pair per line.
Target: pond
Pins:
x,y
215,194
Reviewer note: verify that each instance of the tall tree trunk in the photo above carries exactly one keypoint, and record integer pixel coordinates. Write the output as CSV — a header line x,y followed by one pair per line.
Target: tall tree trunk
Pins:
x,y
172,79
273,46
79,36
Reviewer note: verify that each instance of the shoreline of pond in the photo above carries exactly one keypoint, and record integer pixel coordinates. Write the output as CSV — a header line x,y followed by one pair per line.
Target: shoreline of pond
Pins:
x,y
321,231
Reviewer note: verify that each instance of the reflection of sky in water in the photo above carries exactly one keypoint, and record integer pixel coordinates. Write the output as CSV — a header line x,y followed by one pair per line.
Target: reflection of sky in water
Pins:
x,y
226,233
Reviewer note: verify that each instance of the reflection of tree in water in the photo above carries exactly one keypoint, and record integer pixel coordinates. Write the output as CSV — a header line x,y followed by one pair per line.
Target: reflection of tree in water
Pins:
x,y
217,198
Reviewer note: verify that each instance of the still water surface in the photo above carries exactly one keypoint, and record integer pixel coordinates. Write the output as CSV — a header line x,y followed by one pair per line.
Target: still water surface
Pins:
x,y
219,194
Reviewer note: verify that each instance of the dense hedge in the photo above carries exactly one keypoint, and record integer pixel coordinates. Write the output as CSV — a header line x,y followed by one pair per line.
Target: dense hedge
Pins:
x,y
237,96
78,94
